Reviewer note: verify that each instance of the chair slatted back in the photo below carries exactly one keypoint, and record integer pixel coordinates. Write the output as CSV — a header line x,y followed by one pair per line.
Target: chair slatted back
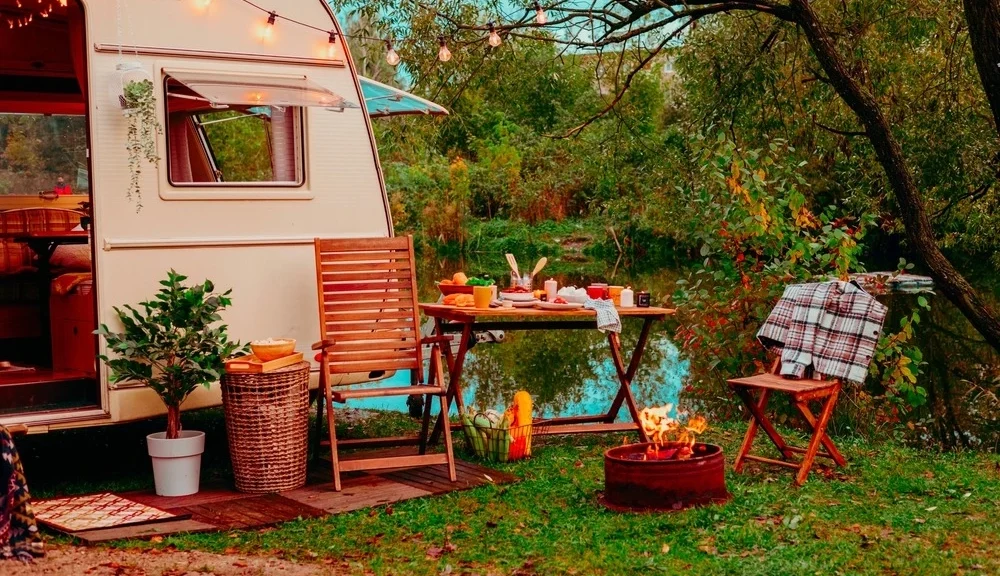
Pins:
x,y
368,304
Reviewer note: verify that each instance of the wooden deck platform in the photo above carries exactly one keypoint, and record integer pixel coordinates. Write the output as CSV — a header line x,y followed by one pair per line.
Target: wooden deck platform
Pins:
x,y
222,508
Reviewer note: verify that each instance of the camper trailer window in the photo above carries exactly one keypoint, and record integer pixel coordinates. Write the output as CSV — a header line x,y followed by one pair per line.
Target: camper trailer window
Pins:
x,y
210,143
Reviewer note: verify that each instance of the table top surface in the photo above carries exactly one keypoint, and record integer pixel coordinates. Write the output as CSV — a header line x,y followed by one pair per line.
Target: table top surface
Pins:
x,y
466,314
68,236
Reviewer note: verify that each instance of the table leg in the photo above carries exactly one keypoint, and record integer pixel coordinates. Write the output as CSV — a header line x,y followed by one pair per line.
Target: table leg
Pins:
x,y
45,252
455,366
625,381
633,367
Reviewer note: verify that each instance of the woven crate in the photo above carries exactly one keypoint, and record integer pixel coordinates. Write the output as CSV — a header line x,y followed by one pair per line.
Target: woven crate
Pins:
x,y
267,420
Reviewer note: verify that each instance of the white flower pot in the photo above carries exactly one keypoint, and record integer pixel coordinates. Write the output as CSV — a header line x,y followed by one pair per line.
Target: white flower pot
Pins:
x,y
176,463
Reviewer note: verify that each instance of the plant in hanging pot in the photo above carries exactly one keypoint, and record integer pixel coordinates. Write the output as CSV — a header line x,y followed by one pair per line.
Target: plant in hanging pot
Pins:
x,y
138,102
173,344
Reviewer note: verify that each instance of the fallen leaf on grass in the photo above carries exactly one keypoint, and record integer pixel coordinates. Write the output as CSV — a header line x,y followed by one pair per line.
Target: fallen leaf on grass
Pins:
x,y
156,539
240,564
931,509
919,520
434,552
230,550
578,464
665,549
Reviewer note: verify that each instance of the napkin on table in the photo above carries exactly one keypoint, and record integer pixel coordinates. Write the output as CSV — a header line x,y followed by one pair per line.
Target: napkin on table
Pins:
x,y
607,315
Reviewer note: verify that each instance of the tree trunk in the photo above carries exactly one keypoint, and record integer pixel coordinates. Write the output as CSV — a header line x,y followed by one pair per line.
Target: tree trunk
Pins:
x,y
173,422
912,212
983,18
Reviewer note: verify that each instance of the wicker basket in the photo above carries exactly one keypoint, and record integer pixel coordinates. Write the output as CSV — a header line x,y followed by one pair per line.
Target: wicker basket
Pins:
x,y
267,420
498,444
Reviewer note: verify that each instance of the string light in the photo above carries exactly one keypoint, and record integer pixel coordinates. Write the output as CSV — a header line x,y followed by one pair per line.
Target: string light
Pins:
x,y
541,18
267,30
443,53
331,49
202,5
391,56
494,38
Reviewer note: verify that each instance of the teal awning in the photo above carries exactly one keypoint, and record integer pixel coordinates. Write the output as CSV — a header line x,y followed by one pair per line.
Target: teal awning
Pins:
x,y
384,100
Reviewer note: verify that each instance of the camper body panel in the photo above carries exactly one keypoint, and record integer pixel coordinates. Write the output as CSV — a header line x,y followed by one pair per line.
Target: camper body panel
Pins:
x,y
255,239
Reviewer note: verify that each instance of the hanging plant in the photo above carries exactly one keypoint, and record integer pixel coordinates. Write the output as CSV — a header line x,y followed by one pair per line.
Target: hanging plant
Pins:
x,y
139,103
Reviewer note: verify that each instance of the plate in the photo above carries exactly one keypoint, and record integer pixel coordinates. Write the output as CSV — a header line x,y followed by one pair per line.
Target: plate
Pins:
x,y
517,296
552,306
527,304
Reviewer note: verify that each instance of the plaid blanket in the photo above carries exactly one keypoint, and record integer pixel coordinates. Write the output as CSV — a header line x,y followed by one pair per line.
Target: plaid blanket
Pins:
x,y
19,536
831,326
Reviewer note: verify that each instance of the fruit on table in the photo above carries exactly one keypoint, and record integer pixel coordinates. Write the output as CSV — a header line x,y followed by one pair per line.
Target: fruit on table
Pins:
x,y
559,300
446,282
459,279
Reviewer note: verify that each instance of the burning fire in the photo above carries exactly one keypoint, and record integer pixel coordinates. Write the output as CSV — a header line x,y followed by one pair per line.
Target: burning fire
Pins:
x,y
662,429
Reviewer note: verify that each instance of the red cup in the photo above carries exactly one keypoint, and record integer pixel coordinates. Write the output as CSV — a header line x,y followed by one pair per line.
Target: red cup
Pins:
x,y
596,292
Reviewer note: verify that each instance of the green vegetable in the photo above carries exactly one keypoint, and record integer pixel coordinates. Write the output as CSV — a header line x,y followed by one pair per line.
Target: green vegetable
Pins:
x,y
480,282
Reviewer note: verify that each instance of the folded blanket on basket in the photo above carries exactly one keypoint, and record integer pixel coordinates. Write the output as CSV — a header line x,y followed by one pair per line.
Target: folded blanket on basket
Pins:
x,y
19,536
607,315
832,326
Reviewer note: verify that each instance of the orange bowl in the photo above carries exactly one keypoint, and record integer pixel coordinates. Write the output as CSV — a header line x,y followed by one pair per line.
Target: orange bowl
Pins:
x,y
447,289
281,347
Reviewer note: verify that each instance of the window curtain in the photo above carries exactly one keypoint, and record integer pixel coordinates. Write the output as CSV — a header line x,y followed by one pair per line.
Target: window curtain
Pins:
x,y
283,164
78,48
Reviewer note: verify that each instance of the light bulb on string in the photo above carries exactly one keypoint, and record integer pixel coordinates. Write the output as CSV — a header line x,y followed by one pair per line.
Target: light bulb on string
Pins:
x,y
391,56
64,3
266,31
541,18
331,47
443,53
202,5
494,38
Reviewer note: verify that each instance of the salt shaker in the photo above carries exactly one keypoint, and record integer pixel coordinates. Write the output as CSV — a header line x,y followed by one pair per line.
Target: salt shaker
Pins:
x,y
628,298
551,289
526,281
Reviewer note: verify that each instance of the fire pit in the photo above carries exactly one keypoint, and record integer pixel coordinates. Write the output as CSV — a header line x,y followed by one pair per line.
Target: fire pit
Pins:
x,y
649,476
672,472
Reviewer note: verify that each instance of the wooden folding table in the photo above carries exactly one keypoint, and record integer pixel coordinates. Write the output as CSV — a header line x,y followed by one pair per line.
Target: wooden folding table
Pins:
x,y
465,321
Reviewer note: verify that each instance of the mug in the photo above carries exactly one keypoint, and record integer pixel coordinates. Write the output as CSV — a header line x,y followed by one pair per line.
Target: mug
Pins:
x,y
615,293
596,292
482,296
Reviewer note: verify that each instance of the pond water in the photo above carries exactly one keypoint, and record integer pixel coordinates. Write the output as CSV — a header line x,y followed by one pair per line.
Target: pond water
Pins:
x,y
567,373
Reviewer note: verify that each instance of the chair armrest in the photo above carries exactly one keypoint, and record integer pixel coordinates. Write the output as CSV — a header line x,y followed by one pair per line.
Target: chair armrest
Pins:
x,y
437,339
323,344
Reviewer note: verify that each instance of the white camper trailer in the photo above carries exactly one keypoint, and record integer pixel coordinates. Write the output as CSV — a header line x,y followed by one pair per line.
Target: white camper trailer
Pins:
x,y
266,145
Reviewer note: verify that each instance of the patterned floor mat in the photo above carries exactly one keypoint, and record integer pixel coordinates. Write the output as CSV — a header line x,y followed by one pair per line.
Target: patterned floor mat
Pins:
x,y
94,511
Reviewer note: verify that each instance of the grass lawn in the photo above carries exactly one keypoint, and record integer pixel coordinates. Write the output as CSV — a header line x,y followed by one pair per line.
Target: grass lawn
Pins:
x,y
894,510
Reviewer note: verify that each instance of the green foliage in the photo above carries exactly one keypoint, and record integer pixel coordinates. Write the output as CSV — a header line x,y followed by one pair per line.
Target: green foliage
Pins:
x,y
139,101
173,343
241,148
36,149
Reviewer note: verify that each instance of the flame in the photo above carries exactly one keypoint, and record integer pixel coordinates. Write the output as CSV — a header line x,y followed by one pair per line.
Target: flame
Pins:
x,y
661,429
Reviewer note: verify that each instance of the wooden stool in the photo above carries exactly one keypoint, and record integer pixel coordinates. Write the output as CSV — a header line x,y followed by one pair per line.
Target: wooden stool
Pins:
x,y
802,393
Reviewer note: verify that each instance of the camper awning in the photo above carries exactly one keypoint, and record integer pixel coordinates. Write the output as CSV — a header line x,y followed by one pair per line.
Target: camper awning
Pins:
x,y
258,90
384,100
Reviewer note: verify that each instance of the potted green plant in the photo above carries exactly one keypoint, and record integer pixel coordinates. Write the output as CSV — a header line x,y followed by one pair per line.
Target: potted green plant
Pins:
x,y
173,344
138,101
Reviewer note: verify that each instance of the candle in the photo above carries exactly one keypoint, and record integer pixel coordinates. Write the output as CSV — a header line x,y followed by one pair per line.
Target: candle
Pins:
x,y
551,289
643,299
628,297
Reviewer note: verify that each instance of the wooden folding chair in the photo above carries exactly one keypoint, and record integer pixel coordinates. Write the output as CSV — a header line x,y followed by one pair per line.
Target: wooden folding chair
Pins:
x,y
369,321
802,392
